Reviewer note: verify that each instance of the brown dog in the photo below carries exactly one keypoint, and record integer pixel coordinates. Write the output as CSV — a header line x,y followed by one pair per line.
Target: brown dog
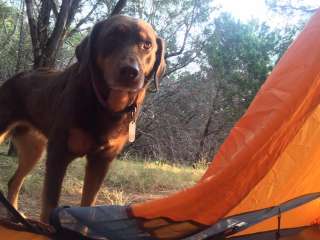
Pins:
x,y
84,110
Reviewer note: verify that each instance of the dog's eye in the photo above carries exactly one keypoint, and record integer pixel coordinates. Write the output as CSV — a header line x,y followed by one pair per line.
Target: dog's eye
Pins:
x,y
146,45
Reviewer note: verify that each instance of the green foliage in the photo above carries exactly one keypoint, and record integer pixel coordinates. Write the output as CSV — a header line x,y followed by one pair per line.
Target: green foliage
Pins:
x,y
240,56
290,8
8,38
284,38
10,31
67,52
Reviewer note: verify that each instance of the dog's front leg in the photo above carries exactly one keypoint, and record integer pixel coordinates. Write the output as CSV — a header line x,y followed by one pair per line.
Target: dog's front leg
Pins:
x,y
58,159
96,170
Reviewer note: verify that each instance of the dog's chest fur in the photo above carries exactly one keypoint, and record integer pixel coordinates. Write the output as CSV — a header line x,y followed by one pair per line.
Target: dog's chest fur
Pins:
x,y
82,142
95,128
99,132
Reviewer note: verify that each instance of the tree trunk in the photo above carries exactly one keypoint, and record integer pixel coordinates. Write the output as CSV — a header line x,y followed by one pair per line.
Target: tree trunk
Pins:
x,y
199,153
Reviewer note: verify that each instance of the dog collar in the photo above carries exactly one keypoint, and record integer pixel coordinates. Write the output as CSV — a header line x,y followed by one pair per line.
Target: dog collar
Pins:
x,y
129,109
98,95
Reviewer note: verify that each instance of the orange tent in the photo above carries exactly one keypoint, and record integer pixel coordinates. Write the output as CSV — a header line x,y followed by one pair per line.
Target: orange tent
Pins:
x,y
7,233
270,156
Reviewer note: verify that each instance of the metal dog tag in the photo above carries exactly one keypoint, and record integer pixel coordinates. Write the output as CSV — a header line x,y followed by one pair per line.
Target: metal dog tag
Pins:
x,y
132,131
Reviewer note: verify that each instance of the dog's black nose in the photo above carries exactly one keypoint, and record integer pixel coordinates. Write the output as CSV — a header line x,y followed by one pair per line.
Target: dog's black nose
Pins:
x,y
129,72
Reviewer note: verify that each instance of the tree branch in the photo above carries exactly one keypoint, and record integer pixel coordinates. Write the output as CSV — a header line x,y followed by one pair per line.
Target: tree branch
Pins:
x,y
186,34
59,28
119,6
84,19
186,63
301,9
54,7
290,7
43,23
73,9
32,25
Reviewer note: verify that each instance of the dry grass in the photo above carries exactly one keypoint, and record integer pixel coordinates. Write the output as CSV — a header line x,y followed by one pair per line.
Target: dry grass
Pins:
x,y
128,181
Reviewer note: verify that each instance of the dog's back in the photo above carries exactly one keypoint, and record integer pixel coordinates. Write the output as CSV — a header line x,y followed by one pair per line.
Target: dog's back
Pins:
x,y
27,99
10,104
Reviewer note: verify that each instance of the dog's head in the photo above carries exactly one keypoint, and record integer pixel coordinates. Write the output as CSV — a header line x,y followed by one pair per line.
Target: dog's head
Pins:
x,y
125,52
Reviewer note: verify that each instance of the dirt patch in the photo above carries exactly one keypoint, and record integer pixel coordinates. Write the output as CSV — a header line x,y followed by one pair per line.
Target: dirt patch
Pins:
x,y
30,205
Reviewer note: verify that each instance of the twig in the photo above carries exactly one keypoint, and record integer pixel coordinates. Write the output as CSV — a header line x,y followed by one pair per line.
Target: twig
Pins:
x,y
119,6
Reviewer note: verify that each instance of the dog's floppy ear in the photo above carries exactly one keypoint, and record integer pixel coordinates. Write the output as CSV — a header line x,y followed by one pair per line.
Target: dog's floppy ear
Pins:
x,y
84,51
81,49
159,67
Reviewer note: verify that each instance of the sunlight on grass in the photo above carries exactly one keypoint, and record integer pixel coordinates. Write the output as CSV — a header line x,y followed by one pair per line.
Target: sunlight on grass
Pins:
x,y
114,197
125,177
137,176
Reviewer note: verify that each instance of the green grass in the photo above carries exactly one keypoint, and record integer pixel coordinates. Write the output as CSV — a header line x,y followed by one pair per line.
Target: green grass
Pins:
x,y
127,179
141,176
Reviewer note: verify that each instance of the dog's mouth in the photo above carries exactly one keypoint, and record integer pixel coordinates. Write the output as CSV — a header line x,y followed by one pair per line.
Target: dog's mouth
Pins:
x,y
125,89
119,99
127,85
